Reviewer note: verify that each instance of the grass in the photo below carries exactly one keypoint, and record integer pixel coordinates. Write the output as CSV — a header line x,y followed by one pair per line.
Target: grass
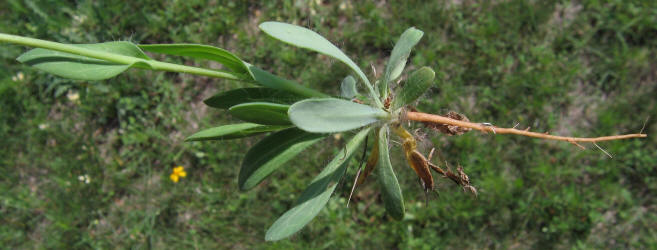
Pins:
x,y
574,68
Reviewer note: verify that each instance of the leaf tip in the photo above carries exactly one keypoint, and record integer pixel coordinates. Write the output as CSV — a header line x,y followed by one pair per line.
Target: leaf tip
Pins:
x,y
273,236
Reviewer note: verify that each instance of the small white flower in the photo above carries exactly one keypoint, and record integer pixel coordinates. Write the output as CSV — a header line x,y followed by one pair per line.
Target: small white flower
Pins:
x,y
84,178
79,18
73,96
43,126
18,77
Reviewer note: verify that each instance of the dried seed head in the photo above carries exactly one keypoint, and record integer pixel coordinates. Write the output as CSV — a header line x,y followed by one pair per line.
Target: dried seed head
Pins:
x,y
465,180
387,101
420,164
472,189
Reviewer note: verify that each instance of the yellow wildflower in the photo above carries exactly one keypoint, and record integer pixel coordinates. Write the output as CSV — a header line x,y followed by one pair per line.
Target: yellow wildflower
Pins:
x,y
178,172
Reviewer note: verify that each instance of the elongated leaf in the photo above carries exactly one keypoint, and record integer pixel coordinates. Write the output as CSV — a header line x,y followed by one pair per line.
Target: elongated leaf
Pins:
x,y
392,195
315,197
261,113
416,85
330,115
234,97
399,56
372,161
269,80
200,51
81,67
233,131
348,88
272,152
308,39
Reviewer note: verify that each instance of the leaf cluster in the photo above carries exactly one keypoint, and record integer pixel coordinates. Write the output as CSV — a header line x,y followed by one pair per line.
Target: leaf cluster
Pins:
x,y
295,116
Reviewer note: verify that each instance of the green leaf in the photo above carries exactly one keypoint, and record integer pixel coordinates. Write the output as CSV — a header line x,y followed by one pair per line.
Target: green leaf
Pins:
x,y
399,56
390,190
308,39
317,194
272,152
330,115
269,80
348,88
225,100
417,84
233,131
235,64
200,51
261,113
82,67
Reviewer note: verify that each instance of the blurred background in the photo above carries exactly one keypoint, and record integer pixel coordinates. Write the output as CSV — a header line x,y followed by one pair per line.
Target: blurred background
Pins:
x,y
86,164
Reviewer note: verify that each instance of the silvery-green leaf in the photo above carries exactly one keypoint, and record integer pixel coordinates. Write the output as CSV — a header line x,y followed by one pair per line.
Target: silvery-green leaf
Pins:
x,y
399,56
348,88
308,39
233,131
328,115
85,68
315,197
416,85
271,153
266,79
390,190
261,113
234,97
201,51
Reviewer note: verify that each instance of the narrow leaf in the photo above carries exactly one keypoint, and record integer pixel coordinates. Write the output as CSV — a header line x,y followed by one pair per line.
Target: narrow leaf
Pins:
x,y
331,115
417,84
233,131
200,51
269,80
399,56
272,152
308,39
261,113
348,88
81,67
315,197
392,195
227,99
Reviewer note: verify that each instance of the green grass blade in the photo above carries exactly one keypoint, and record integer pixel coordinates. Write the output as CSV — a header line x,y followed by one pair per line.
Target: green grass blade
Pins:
x,y
315,197
399,56
233,131
261,113
271,153
81,67
392,195
331,115
417,84
199,51
308,39
227,99
348,88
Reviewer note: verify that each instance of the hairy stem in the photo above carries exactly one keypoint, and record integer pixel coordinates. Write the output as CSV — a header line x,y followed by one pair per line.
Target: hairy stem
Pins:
x,y
437,119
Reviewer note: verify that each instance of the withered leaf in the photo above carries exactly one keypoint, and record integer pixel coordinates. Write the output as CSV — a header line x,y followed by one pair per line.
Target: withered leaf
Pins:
x,y
450,129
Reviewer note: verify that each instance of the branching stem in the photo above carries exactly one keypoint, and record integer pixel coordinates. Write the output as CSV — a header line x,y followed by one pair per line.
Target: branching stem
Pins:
x,y
437,119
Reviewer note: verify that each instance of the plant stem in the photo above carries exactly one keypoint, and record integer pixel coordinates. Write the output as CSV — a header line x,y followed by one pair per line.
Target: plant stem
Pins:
x,y
116,58
437,119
